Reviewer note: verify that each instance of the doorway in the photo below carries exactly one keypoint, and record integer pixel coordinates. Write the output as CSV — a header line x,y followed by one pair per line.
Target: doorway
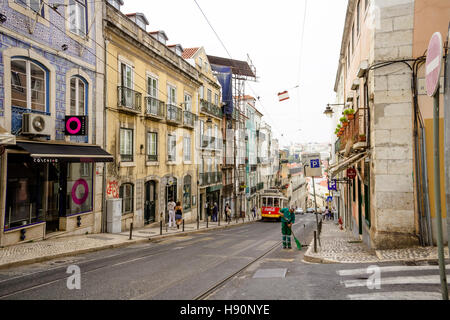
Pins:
x,y
171,194
150,202
359,207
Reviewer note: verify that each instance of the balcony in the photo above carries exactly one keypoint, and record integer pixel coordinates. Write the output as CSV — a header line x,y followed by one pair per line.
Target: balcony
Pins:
x,y
211,143
154,108
209,178
129,100
352,132
188,119
174,115
210,109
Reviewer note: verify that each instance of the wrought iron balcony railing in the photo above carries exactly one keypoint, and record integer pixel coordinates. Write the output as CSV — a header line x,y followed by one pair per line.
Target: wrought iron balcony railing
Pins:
x,y
129,100
208,178
188,119
210,108
154,108
174,114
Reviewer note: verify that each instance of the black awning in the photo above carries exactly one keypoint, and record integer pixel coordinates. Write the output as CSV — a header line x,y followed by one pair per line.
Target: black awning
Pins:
x,y
65,152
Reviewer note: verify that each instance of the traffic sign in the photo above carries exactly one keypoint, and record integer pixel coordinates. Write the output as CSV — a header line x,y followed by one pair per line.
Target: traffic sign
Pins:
x,y
351,173
332,185
329,199
312,165
433,63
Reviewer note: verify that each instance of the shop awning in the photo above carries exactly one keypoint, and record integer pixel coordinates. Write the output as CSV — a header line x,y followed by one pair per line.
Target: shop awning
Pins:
x,y
65,152
347,163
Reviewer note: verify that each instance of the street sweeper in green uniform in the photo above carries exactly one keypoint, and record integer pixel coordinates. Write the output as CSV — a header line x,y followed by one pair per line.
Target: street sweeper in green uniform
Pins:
x,y
287,220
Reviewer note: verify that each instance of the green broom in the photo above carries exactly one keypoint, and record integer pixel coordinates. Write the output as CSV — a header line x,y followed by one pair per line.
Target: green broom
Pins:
x,y
299,245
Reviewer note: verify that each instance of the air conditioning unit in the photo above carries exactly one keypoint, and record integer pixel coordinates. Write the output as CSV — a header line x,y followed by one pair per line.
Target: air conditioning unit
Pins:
x,y
37,124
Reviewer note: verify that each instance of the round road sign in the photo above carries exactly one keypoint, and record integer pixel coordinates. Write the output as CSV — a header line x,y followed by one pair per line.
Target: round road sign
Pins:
x,y
433,63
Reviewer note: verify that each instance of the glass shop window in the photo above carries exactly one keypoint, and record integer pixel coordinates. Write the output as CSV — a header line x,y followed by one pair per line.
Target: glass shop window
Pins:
x,y
25,193
79,188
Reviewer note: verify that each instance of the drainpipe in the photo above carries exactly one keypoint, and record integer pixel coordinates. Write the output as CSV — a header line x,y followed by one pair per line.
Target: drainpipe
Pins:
x,y
105,105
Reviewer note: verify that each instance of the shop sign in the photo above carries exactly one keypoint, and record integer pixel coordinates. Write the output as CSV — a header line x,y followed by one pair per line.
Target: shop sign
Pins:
x,y
76,126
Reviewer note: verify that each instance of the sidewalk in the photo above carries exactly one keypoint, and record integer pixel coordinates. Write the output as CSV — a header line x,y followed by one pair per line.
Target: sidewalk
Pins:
x,y
39,251
339,246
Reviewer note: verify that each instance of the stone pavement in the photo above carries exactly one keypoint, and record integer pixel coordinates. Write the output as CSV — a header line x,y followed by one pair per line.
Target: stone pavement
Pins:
x,y
339,246
38,251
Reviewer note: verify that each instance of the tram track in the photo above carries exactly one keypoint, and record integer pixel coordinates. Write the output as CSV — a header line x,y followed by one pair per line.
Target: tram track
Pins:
x,y
217,286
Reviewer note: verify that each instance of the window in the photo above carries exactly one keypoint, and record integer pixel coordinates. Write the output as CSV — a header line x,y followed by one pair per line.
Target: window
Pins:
x,y
115,3
127,85
209,96
152,146
171,95
78,97
77,17
152,87
367,4
187,192
200,62
29,85
152,91
188,102
79,188
216,136
358,11
126,193
34,5
171,147
187,149
201,90
126,145
141,23
216,99
353,37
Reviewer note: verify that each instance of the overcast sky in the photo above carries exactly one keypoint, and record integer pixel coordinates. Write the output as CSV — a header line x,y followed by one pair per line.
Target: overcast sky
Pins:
x,y
270,32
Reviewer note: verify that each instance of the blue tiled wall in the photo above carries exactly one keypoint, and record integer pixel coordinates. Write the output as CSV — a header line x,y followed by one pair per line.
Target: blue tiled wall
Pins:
x,y
54,37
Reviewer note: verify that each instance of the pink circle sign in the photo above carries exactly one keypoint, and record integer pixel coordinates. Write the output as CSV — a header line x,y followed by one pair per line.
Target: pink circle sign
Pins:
x,y
83,183
433,63
69,129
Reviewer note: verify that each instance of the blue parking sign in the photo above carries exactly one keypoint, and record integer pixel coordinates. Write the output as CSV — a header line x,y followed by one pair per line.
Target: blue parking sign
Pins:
x,y
315,163
332,185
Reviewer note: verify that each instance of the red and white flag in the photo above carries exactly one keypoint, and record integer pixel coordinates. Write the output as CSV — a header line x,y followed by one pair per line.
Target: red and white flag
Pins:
x,y
283,96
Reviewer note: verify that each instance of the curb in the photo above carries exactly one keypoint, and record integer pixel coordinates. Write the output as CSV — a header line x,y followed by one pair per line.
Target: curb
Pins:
x,y
112,246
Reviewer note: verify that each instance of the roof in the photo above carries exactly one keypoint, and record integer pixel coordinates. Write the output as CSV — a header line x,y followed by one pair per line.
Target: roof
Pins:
x,y
189,53
237,67
138,14
159,32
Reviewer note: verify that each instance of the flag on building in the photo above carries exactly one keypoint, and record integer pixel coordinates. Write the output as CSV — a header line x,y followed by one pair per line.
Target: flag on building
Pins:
x,y
283,96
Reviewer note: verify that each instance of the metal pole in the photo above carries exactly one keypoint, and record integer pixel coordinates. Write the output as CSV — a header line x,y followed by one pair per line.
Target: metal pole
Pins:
x,y
160,227
315,241
131,231
198,222
183,225
437,196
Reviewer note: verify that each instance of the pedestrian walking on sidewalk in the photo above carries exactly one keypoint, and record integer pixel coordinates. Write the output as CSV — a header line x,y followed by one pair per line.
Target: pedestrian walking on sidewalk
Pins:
x,y
228,212
254,212
178,214
215,212
171,209
287,220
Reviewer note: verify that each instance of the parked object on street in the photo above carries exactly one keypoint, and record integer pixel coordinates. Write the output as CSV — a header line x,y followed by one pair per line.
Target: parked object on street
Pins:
x,y
310,210
299,211
272,201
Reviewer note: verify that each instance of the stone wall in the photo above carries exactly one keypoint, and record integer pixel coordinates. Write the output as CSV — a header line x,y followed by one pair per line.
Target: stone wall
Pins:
x,y
391,129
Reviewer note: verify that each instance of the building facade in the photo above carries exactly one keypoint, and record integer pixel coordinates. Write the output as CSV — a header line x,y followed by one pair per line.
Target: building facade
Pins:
x,y
52,104
382,47
152,109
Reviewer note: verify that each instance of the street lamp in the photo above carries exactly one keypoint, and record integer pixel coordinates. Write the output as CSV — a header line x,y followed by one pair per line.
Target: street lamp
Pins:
x,y
329,111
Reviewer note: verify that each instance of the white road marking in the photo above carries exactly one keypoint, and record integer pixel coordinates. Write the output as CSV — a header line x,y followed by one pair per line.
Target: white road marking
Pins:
x,y
352,272
397,295
395,280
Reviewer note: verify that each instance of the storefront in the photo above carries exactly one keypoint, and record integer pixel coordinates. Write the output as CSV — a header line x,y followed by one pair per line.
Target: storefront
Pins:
x,y
47,188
